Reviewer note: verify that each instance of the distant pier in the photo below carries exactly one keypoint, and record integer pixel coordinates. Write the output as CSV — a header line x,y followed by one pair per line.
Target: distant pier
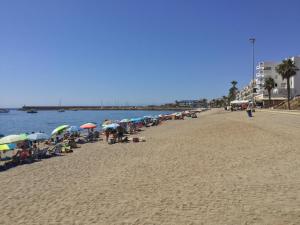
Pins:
x,y
75,108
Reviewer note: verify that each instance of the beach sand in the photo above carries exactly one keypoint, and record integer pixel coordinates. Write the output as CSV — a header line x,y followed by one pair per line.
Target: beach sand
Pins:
x,y
221,168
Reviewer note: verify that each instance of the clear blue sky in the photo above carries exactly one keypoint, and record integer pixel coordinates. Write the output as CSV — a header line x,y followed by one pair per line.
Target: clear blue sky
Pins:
x,y
136,51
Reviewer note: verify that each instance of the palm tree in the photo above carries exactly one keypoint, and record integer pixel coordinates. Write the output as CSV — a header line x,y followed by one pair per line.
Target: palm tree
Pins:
x,y
287,69
232,91
234,83
269,85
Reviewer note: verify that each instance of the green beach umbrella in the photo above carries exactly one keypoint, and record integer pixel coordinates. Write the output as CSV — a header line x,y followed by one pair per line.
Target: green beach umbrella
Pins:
x,y
59,129
14,138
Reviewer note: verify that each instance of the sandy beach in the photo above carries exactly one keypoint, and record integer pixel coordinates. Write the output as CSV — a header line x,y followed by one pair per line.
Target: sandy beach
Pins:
x,y
221,168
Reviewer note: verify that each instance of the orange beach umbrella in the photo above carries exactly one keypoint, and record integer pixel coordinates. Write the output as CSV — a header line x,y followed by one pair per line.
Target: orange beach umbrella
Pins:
x,y
88,126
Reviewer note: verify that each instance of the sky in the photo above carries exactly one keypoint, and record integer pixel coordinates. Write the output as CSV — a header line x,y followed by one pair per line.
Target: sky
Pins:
x,y
132,52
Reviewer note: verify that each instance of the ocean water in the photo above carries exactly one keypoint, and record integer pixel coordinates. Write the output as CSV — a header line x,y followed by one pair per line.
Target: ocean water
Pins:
x,y
16,122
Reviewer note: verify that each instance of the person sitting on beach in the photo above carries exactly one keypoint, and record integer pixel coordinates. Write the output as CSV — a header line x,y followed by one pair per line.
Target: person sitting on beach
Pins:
x,y
71,142
23,154
114,135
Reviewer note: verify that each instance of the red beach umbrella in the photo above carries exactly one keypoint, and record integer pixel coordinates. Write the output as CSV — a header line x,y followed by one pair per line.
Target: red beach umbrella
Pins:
x,y
88,126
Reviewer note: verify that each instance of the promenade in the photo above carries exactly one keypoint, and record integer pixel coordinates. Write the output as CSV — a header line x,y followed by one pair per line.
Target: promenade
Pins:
x,y
221,168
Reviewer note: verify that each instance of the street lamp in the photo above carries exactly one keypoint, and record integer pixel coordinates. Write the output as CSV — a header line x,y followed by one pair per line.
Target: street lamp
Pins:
x,y
252,41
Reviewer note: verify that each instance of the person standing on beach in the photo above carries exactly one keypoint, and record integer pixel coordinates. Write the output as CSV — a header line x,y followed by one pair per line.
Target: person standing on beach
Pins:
x,y
249,110
106,132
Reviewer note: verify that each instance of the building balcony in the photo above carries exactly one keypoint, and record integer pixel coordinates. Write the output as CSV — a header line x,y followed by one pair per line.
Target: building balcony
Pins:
x,y
276,93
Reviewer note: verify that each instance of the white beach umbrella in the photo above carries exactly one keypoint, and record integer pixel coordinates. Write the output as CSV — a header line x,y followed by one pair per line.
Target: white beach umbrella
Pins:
x,y
14,138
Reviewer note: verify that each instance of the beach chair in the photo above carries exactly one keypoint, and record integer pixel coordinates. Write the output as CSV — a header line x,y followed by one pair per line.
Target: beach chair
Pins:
x,y
55,150
42,153
89,137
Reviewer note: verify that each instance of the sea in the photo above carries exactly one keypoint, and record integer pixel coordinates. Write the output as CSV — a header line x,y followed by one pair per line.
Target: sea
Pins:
x,y
16,122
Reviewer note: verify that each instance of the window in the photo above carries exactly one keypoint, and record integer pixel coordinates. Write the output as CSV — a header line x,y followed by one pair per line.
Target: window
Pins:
x,y
275,84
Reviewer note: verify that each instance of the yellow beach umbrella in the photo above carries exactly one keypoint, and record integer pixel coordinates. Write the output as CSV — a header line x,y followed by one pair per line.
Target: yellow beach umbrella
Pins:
x,y
7,147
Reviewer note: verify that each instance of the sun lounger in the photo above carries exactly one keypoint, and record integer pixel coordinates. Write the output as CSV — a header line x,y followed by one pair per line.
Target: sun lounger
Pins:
x,y
55,150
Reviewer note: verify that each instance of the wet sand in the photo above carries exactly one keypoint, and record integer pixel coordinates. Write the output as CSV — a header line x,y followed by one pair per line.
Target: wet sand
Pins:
x,y
221,168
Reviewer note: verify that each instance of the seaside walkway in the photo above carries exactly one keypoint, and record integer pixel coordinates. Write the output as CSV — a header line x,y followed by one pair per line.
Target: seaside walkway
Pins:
x,y
289,112
221,168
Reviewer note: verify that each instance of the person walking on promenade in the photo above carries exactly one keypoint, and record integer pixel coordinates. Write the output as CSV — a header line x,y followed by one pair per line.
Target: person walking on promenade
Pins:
x,y
249,109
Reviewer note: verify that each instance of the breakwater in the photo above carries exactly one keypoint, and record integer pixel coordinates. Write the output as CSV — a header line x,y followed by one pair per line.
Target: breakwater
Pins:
x,y
148,108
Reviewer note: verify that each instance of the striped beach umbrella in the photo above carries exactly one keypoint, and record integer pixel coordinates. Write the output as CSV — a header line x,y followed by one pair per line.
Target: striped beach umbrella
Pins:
x,y
7,147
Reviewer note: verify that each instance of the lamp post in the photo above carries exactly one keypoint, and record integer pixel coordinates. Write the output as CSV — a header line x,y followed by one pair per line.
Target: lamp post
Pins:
x,y
252,41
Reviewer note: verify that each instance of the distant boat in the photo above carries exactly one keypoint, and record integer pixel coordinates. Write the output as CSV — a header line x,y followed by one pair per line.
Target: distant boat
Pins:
x,y
31,111
4,111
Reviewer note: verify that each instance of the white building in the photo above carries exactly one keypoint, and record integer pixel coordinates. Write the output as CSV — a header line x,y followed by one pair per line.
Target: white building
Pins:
x,y
295,81
279,93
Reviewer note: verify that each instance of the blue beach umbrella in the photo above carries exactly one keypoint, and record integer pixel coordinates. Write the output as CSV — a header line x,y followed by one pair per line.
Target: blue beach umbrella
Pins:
x,y
73,129
136,120
38,137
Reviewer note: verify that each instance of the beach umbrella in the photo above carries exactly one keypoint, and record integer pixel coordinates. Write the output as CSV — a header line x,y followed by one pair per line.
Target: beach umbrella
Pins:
x,y
7,147
73,129
107,122
136,120
14,138
59,129
88,126
125,121
38,137
111,126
